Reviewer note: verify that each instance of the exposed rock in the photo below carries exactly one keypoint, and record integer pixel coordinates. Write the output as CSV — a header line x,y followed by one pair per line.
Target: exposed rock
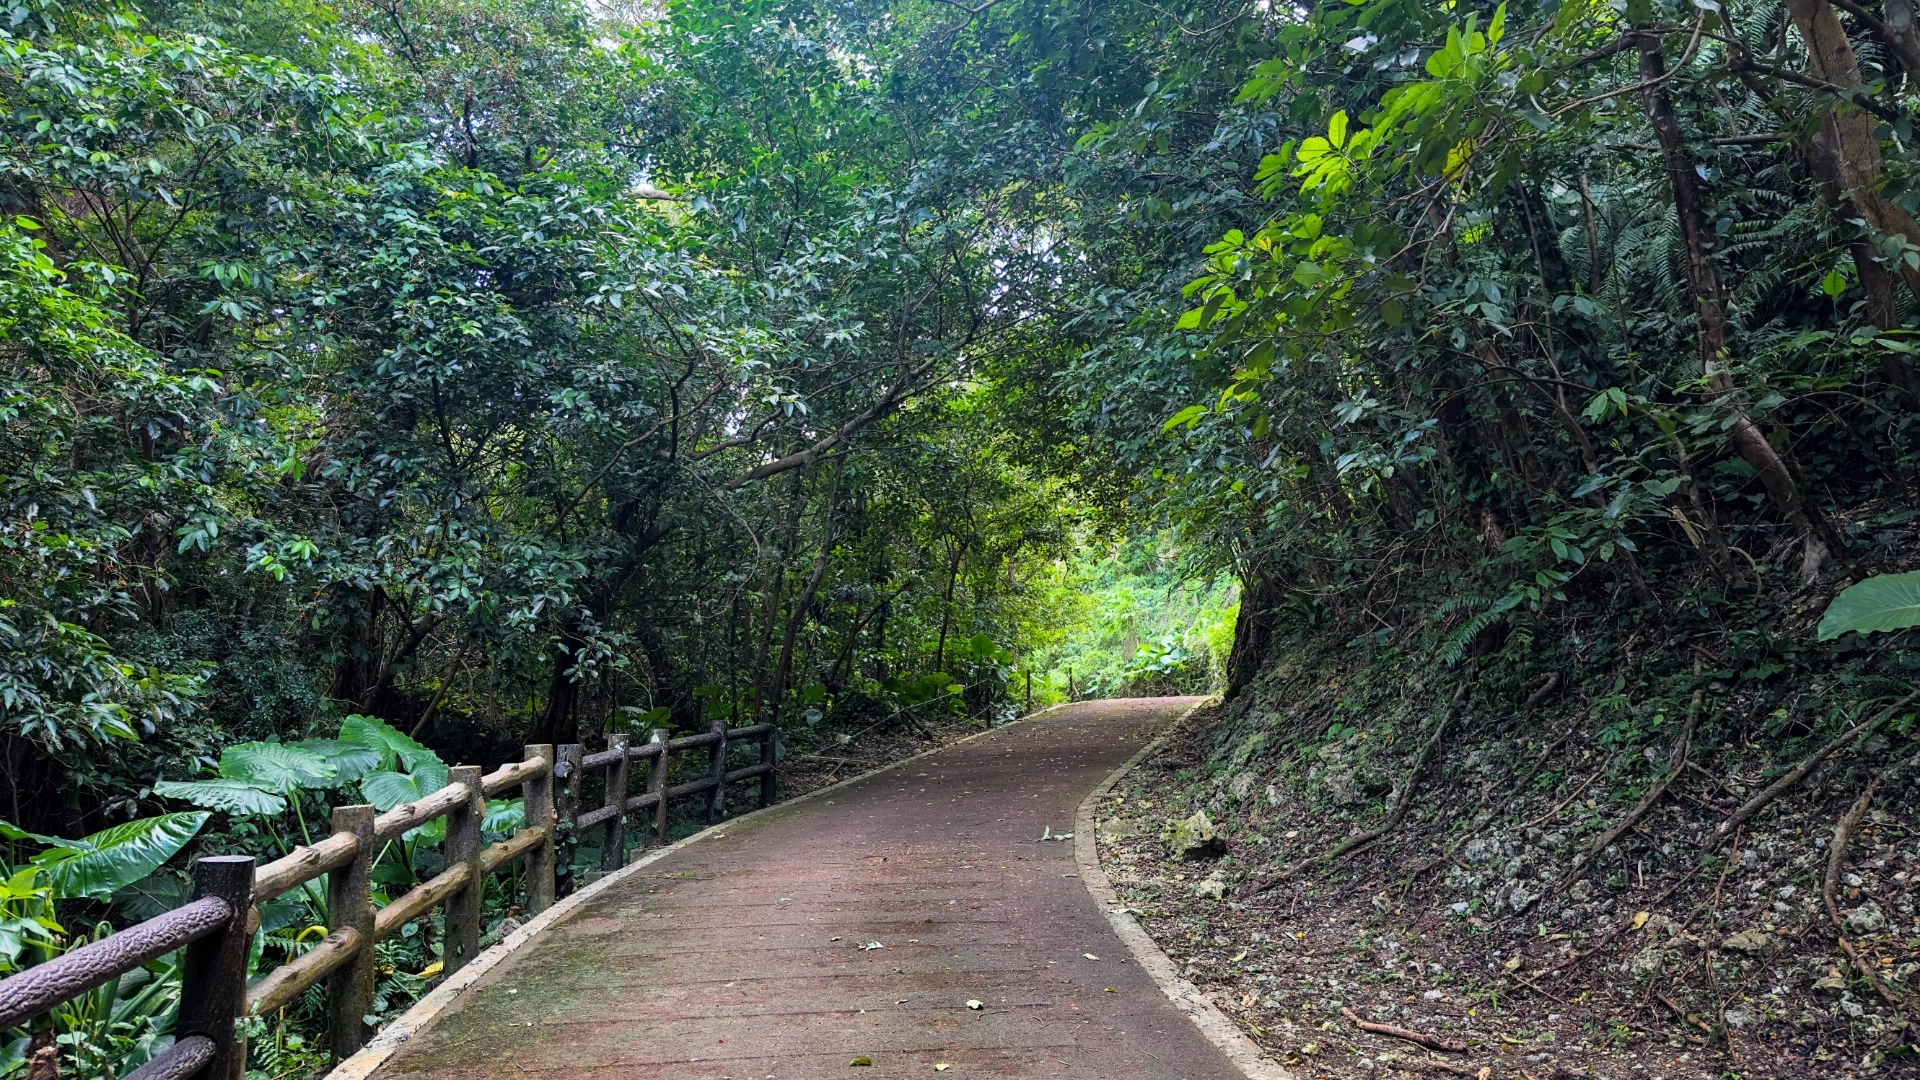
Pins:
x,y
1195,838
1581,892
1241,783
1213,888
1647,963
1867,919
1832,981
1750,941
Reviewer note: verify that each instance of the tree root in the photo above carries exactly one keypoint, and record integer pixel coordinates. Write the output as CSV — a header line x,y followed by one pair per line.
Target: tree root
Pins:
x,y
1830,888
1799,772
1676,764
1431,1042
1588,782
1400,808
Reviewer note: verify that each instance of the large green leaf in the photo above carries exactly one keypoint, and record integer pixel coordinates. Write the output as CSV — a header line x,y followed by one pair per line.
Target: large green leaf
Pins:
x,y
1884,602
230,796
350,760
275,767
392,744
95,866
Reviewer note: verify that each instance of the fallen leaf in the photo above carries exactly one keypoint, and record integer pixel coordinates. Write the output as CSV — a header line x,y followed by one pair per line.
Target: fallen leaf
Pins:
x,y
1485,1072
1310,1049
942,1067
1239,956
975,1004
856,1062
1640,919
1090,956
432,969
1111,990
833,939
1513,964
871,945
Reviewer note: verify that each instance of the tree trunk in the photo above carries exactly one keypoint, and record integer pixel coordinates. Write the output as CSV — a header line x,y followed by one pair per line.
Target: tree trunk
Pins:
x,y
798,617
1689,206
1846,158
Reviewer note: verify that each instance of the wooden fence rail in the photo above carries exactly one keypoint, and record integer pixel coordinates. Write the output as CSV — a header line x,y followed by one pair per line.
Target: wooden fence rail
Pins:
x,y
216,927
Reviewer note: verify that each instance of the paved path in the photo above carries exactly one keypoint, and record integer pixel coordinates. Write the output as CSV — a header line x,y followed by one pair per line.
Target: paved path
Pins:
x,y
738,956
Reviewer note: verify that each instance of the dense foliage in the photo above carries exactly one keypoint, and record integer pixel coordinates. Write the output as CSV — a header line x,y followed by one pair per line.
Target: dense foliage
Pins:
x,y
506,371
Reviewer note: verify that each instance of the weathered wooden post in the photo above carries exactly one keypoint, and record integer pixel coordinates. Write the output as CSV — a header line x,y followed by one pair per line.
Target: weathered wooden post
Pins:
x,y
462,941
537,796
568,770
767,749
613,848
657,783
1029,708
213,973
717,772
350,906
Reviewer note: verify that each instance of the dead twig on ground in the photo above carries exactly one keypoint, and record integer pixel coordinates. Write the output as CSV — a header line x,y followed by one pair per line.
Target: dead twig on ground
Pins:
x,y
1676,764
1584,784
1432,1042
1830,887
1799,772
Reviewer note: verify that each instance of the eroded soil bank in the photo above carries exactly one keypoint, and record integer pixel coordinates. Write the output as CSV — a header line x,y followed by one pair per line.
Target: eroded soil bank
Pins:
x,y
1663,957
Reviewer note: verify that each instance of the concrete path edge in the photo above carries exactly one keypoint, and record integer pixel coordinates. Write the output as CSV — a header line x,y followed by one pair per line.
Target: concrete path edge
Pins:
x,y
423,1012
1214,1025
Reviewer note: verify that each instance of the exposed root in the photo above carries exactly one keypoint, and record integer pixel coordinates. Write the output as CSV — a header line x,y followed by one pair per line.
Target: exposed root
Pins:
x,y
1584,784
1830,888
1547,686
1431,1042
1676,764
1799,772
1400,808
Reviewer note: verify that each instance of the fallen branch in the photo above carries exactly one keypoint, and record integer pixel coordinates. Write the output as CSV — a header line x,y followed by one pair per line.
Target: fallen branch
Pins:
x,y
1676,764
1830,888
1546,687
1481,1073
1431,1042
1400,808
1799,772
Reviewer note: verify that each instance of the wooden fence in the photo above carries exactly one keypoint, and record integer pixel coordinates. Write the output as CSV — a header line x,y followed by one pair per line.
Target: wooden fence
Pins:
x,y
215,928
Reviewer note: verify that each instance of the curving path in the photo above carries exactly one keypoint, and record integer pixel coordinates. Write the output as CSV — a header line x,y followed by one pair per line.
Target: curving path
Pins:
x,y
738,955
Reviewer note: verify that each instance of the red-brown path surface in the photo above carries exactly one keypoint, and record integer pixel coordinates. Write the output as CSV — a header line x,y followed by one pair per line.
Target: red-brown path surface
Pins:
x,y
738,956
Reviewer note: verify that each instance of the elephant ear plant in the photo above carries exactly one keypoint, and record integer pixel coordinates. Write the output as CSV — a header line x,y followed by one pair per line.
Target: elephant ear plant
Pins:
x,y
120,1025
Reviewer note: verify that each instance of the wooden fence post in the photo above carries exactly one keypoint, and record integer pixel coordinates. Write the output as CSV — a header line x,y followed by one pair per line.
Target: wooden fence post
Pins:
x,y
1029,691
213,974
462,940
350,905
657,783
717,772
767,784
567,798
613,848
537,796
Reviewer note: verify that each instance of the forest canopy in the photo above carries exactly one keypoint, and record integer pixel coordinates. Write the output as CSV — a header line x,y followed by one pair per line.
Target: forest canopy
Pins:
x,y
507,371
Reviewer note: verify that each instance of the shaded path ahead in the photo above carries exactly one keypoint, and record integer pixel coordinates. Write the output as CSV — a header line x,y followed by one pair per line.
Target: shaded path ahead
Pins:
x,y
739,956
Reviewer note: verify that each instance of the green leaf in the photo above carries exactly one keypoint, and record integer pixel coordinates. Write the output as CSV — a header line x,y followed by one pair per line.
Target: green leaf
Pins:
x,y
1188,417
231,796
1882,602
350,760
1337,129
95,866
1834,283
275,767
389,742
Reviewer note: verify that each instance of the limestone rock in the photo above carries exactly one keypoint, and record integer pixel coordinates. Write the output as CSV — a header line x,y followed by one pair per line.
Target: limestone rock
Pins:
x,y
1750,941
1213,888
1195,838
1867,919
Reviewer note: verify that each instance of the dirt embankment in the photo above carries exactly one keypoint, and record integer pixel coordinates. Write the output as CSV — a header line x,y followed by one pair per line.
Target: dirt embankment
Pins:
x,y
1557,900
